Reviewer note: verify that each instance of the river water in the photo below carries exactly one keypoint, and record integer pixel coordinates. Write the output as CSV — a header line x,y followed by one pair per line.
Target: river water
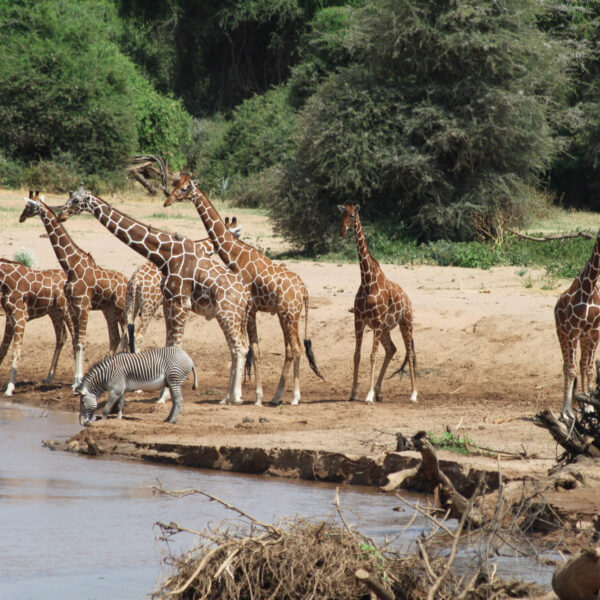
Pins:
x,y
75,528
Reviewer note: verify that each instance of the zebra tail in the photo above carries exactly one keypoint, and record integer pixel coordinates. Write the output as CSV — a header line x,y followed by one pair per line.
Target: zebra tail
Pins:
x,y
311,358
131,336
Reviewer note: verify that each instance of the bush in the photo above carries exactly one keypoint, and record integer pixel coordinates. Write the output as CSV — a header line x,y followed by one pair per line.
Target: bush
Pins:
x,y
446,114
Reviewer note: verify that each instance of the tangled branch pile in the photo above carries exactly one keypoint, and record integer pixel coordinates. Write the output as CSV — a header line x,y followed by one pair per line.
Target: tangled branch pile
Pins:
x,y
303,559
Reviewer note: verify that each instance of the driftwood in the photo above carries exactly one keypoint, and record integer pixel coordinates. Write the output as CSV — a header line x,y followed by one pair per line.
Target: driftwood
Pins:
x,y
571,438
579,578
450,498
374,585
549,238
142,169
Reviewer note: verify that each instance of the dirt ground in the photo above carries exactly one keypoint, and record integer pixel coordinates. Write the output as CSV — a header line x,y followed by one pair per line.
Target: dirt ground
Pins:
x,y
488,356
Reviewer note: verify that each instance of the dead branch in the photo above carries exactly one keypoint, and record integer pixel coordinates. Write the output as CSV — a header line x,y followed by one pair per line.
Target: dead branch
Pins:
x,y
579,578
549,238
569,438
142,170
374,585
451,498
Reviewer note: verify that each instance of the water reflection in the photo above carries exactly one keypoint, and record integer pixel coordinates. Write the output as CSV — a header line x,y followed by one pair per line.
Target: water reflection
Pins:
x,y
75,527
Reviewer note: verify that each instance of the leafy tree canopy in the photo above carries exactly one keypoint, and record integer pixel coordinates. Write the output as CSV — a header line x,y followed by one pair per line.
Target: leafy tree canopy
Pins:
x,y
447,111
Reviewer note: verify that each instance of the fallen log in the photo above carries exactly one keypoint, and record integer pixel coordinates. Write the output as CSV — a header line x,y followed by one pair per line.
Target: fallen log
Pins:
x,y
374,585
568,437
549,238
579,577
450,498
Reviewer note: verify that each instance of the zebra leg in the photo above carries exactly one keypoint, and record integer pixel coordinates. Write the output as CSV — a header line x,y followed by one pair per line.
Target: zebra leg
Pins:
x,y
114,396
177,397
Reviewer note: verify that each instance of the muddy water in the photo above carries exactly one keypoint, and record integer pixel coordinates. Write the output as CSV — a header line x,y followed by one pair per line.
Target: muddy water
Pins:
x,y
73,527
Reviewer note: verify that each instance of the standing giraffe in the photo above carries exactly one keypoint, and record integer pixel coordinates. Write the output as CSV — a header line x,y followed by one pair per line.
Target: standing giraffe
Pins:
x,y
88,287
144,294
28,294
274,288
577,317
191,280
379,304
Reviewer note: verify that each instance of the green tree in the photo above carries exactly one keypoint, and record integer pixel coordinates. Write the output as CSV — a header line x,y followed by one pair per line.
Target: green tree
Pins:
x,y
446,112
64,85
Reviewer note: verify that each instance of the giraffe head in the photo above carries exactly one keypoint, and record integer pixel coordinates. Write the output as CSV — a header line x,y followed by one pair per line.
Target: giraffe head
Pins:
x,y
349,213
32,206
77,203
183,189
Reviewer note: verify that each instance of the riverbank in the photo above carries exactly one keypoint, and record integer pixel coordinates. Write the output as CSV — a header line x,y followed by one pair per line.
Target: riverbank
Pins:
x,y
488,361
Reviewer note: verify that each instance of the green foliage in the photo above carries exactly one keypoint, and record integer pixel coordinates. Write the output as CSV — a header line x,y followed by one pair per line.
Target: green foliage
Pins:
x,y
64,86
452,442
71,103
26,257
163,125
447,113
259,134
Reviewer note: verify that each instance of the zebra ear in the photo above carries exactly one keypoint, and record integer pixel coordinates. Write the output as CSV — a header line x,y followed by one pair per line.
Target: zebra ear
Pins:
x,y
341,208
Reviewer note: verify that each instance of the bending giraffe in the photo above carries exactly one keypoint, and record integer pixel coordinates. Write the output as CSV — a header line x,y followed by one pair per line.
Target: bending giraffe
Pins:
x,y
88,286
577,317
29,294
379,304
144,295
274,288
192,280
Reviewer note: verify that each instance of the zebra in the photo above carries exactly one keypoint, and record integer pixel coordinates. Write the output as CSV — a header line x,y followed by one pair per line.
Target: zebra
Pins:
x,y
123,372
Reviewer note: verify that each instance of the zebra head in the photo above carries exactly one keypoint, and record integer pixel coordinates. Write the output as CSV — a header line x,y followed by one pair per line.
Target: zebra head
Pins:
x,y
87,405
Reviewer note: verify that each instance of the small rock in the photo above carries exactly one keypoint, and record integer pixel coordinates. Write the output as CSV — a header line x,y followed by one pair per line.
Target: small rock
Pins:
x,y
247,420
263,420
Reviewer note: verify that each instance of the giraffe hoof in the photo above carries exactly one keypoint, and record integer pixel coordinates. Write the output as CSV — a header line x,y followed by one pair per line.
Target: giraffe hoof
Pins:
x,y
378,398
275,402
352,399
223,402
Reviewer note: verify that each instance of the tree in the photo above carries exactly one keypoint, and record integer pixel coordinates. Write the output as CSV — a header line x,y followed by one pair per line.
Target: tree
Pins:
x,y
447,111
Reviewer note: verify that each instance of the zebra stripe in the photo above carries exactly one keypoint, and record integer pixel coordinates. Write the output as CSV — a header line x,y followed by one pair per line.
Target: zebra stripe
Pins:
x,y
123,372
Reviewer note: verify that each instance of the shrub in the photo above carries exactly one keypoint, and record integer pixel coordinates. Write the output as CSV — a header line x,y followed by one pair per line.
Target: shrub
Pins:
x,y
447,113
26,257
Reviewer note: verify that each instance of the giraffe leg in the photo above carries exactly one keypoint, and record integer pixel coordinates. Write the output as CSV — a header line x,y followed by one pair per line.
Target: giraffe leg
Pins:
x,y
407,336
60,331
238,349
176,313
592,340
9,329
359,328
112,321
390,350
287,363
20,319
79,314
371,392
253,339
568,346
296,347
145,316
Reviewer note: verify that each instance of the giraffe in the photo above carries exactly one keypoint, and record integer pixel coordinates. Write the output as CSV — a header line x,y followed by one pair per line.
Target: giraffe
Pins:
x,y
191,280
28,294
577,317
274,288
144,294
88,286
379,304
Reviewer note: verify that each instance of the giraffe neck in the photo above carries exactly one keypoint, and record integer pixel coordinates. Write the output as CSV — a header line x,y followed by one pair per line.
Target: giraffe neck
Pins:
x,y
590,273
69,254
368,265
153,244
225,243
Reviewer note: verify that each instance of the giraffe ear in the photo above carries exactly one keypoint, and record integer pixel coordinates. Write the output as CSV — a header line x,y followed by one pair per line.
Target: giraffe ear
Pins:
x,y
31,193
357,207
341,208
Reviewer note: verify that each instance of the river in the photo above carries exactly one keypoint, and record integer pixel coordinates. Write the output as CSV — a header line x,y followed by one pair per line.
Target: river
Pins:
x,y
74,527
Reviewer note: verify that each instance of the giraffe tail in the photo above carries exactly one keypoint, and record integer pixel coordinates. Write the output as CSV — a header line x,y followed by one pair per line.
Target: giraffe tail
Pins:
x,y
248,363
131,336
401,369
307,343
